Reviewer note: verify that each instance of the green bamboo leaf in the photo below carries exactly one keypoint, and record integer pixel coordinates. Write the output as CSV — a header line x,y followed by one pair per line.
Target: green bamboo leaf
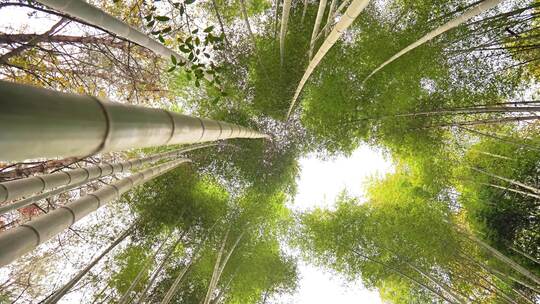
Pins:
x,y
173,59
209,29
189,2
171,68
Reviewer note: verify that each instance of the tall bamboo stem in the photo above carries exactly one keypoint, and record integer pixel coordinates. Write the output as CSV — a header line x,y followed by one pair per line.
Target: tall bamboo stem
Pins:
x,y
482,7
22,239
37,122
16,189
95,16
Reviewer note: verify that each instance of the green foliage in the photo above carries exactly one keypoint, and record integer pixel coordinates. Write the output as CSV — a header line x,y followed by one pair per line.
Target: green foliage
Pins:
x,y
130,261
180,198
502,217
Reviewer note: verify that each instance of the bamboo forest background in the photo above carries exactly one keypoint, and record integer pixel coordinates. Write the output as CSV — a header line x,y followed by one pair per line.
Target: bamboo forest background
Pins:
x,y
447,89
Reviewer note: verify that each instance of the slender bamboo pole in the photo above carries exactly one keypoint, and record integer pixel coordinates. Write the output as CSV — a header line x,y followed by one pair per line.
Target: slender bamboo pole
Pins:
x,y
222,266
405,275
327,26
37,122
354,9
329,20
19,188
126,297
22,239
176,284
283,30
67,287
216,268
304,10
144,294
511,181
526,255
316,26
482,7
503,258
95,16
511,190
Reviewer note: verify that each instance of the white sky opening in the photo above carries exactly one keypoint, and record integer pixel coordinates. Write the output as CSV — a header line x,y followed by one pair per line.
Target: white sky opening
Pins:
x,y
319,184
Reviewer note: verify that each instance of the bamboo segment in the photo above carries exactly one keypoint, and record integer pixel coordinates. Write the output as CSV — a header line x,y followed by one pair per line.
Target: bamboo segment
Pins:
x,y
37,122
93,15
283,31
482,7
354,9
316,26
22,239
331,13
16,189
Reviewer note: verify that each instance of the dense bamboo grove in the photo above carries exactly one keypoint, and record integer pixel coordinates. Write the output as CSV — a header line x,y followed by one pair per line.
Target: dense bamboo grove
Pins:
x,y
150,151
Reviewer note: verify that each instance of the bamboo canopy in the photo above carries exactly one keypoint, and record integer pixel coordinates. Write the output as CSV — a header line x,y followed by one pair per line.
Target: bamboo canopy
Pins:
x,y
482,7
70,179
93,15
354,9
37,122
22,239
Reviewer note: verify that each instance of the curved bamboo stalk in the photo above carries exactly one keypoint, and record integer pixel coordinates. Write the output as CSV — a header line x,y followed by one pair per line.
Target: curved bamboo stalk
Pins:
x,y
216,268
283,31
158,270
511,181
354,9
524,254
126,297
503,258
16,189
176,284
511,190
220,267
316,26
331,13
405,276
327,26
225,261
22,239
304,10
482,7
67,287
95,16
37,122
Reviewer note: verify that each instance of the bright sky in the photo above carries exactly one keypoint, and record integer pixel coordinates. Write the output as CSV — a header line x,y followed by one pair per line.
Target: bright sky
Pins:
x,y
320,182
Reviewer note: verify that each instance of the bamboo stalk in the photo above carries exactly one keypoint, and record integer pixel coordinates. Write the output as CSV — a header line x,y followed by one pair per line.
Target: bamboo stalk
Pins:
x,y
156,273
16,189
316,26
283,31
354,9
95,16
67,287
37,122
126,297
482,7
22,239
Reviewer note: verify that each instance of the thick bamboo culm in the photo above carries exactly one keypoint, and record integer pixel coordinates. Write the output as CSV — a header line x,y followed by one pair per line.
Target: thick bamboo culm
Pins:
x,y
19,188
84,11
354,9
24,238
37,122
